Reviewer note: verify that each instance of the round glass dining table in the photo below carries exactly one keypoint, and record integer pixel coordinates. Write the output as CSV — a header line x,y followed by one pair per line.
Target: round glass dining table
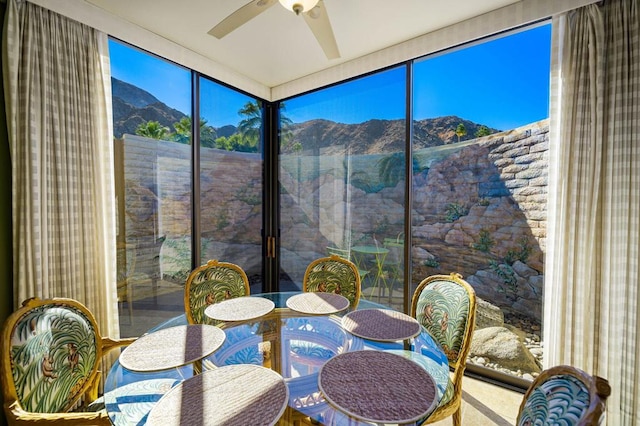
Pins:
x,y
294,344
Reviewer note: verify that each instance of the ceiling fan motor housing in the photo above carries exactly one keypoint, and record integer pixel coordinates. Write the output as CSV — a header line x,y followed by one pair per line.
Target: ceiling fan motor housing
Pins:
x,y
298,6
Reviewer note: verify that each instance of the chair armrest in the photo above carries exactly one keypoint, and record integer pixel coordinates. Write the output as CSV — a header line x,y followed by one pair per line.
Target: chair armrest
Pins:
x,y
16,414
109,343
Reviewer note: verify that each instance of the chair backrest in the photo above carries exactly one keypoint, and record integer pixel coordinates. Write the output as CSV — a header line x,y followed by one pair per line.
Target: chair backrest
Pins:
x,y
211,283
564,395
333,274
445,305
50,354
343,253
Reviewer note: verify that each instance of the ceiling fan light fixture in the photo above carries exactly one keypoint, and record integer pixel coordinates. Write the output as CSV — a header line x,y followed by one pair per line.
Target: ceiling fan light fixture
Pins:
x,y
298,6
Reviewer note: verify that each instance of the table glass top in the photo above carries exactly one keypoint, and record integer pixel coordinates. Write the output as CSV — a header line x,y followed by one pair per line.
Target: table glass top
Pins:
x,y
296,346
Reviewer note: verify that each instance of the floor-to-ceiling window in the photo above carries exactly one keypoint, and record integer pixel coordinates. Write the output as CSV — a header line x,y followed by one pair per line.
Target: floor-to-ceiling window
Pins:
x,y
158,191
342,190
480,144
230,202
151,98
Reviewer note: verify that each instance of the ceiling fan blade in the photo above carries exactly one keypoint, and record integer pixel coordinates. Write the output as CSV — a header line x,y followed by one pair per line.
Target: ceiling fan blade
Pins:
x,y
318,20
241,17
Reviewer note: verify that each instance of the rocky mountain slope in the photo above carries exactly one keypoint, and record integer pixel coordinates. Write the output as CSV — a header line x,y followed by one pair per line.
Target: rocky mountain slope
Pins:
x,y
375,136
133,106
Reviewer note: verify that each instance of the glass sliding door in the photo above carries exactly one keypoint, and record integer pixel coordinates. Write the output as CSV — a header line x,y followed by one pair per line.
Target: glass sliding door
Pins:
x,y
151,98
480,150
161,202
341,182
231,180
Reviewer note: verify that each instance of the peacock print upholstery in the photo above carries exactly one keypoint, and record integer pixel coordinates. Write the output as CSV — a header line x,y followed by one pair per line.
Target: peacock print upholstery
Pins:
x,y
212,283
333,274
51,351
564,395
446,305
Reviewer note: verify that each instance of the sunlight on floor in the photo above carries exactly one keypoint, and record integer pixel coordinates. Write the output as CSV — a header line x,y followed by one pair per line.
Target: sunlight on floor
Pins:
x,y
485,404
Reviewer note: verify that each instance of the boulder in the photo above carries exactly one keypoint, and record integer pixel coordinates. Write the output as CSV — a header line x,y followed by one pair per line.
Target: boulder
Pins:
x,y
504,348
488,315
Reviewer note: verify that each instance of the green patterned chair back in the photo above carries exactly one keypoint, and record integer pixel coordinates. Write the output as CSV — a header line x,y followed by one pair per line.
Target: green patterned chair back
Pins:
x,y
50,354
212,283
333,274
564,395
445,306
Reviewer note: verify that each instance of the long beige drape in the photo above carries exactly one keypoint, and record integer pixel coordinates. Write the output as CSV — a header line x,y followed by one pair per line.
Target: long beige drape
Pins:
x,y
58,102
591,293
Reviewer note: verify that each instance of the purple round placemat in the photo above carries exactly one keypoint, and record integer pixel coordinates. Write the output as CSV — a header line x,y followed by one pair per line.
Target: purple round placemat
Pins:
x,y
384,325
378,387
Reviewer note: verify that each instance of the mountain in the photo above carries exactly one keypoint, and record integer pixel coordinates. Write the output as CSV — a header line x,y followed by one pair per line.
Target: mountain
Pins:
x,y
130,94
375,136
133,106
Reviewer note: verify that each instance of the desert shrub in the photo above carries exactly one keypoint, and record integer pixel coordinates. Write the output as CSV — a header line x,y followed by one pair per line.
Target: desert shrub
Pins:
x,y
485,242
509,286
455,211
521,253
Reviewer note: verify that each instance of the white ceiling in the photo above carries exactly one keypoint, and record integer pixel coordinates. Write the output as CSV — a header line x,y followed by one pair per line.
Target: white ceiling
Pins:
x,y
277,47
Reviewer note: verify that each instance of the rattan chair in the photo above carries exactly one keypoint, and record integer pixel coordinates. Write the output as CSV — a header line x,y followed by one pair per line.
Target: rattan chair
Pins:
x,y
333,274
211,283
446,306
564,395
346,254
51,352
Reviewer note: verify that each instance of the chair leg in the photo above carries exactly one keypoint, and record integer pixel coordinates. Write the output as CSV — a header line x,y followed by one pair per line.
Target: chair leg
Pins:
x,y
457,417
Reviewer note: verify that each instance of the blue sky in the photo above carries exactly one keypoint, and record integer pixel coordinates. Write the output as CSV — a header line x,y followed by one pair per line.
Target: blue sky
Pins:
x,y
502,83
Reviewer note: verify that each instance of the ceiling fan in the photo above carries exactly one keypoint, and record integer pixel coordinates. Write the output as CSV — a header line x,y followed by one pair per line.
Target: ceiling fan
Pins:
x,y
313,12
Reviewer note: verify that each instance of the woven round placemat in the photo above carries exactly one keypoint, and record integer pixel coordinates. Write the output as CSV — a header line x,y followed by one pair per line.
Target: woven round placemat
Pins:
x,y
318,303
239,308
172,347
378,387
383,325
242,394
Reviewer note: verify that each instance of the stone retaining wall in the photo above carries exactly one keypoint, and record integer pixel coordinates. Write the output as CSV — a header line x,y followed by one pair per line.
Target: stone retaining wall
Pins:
x,y
479,209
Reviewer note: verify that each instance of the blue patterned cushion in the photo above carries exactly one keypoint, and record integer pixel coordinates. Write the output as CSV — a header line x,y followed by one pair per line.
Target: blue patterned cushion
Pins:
x,y
561,400
443,309
53,354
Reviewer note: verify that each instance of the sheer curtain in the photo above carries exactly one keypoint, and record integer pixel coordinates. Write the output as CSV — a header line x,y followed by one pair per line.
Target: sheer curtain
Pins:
x,y
591,293
58,102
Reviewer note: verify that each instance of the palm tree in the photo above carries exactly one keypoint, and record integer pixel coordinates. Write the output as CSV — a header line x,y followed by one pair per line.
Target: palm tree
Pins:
x,y
285,129
183,132
461,131
251,125
391,169
482,131
153,130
